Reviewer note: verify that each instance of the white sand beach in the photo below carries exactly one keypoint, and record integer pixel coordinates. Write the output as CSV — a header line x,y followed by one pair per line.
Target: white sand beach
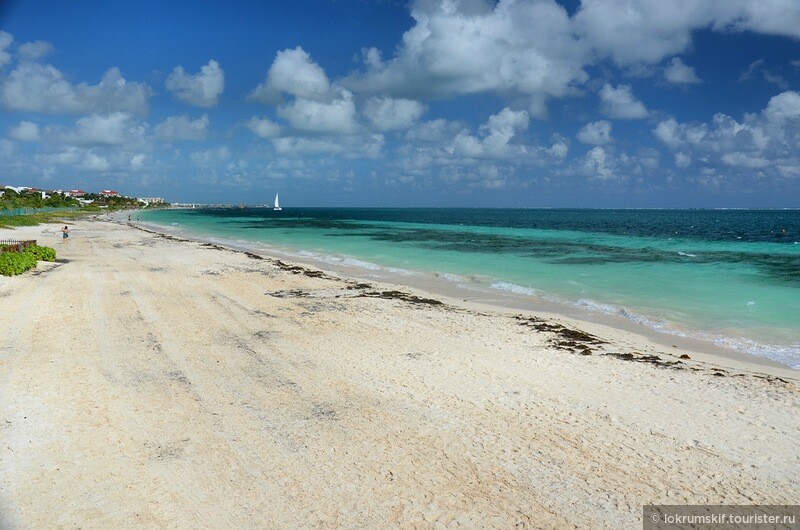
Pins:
x,y
148,381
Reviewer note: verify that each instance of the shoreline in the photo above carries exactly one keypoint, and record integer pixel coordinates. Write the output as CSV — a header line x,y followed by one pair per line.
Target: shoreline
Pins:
x,y
151,381
509,302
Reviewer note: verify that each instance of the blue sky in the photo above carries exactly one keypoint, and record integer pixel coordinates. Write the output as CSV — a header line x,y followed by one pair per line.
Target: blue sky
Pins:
x,y
527,103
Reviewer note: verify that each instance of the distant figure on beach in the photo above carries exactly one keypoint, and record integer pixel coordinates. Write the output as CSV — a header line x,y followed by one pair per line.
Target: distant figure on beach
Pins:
x,y
65,234
137,218
129,218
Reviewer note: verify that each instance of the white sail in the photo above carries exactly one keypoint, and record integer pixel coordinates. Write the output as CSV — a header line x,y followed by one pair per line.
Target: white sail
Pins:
x,y
277,204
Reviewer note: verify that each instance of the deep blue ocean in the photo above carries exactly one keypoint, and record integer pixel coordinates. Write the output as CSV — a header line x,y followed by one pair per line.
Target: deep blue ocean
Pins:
x,y
731,277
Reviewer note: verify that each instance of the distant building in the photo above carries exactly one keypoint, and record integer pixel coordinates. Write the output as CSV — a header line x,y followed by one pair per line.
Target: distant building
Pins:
x,y
75,193
109,193
151,200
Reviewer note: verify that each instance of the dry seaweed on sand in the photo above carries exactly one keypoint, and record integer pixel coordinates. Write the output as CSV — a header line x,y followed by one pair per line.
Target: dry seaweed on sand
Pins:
x,y
568,339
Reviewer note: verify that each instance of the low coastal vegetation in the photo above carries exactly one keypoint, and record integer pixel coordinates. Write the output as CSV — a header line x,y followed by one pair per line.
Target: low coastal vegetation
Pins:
x,y
29,201
11,199
13,262
34,219
41,253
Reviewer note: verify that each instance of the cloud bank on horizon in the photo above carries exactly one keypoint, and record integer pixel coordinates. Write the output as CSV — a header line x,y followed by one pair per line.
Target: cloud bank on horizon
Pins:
x,y
480,103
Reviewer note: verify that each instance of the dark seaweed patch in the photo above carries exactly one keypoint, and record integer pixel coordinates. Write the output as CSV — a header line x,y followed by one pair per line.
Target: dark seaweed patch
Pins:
x,y
212,245
567,339
580,342
179,376
291,293
322,411
296,269
386,295
400,295
356,286
644,358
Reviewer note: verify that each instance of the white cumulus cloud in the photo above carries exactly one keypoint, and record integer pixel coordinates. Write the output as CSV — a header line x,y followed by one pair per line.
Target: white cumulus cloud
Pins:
x,y
95,162
620,103
115,129
465,47
201,89
293,72
595,133
598,165
183,128
25,131
5,42
497,134
211,156
784,106
679,73
264,127
35,50
314,105
535,50
336,116
42,88
682,160
433,131
389,114
646,31
745,160
768,140
352,146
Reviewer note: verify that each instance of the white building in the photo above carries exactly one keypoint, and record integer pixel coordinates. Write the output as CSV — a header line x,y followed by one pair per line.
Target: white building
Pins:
x,y
151,200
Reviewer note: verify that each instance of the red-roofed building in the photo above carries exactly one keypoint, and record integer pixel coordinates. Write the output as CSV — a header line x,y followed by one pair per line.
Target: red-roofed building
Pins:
x,y
109,193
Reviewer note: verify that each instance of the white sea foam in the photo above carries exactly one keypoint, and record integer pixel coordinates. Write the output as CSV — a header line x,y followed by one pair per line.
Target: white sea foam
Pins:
x,y
789,355
345,261
686,254
514,288
469,283
786,354
609,309
353,262
455,278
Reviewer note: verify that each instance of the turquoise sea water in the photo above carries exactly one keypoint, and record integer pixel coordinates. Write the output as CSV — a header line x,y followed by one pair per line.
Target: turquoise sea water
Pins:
x,y
727,276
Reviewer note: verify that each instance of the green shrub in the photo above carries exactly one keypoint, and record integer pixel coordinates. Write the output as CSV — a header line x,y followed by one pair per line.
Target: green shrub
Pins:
x,y
12,263
41,253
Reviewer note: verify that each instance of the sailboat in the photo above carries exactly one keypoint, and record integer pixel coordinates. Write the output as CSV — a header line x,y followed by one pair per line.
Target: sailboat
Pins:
x,y
277,204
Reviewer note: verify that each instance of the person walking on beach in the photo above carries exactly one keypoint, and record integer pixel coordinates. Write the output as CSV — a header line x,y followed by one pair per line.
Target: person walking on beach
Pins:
x,y
65,234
